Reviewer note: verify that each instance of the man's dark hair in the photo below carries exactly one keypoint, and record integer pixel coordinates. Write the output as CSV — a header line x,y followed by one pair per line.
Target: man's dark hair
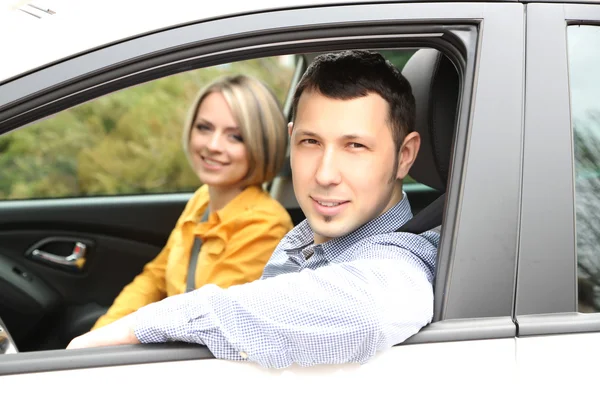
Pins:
x,y
351,74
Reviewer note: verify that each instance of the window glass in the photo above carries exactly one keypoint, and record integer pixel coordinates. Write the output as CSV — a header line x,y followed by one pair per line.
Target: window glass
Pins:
x,y
127,142
584,64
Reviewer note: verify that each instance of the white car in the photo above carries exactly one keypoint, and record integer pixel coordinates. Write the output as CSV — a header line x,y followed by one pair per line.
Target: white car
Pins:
x,y
91,185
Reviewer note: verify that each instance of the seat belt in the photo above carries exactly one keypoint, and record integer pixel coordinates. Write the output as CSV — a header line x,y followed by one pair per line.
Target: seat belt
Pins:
x,y
428,218
191,276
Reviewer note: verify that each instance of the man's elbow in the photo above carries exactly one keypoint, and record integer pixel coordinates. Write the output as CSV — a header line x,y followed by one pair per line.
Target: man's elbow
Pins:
x,y
410,320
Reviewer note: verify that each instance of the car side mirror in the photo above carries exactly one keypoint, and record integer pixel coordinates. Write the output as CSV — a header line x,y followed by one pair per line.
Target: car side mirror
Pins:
x,y
7,345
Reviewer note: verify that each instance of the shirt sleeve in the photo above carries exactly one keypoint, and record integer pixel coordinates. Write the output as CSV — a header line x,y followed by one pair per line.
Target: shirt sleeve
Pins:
x,y
339,313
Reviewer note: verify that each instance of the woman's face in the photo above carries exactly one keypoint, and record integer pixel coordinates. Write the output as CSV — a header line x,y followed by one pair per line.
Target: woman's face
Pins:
x,y
216,146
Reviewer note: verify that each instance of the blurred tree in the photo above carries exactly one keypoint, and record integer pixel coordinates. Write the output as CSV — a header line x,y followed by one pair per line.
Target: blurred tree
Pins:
x,y
127,142
587,207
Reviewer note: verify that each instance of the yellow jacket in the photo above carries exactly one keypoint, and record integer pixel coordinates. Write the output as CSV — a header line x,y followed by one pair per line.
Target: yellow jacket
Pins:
x,y
237,242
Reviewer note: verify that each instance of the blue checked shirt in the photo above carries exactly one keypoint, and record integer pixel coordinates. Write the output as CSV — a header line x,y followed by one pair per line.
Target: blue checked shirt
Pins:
x,y
337,302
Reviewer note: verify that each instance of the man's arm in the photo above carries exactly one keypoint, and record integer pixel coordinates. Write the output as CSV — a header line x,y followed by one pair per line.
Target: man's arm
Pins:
x,y
337,314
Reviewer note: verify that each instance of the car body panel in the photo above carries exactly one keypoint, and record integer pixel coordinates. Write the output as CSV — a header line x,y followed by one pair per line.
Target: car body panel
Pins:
x,y
401,371
557,366
556,341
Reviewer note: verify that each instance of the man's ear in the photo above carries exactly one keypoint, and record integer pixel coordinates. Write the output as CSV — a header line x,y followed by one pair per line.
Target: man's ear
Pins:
x,y
290,128
408,154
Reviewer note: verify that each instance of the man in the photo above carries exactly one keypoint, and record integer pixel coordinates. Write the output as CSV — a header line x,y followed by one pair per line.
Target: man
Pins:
x,y
342,285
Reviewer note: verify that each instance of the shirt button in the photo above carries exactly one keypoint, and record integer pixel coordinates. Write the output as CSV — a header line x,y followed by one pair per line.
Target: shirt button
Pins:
x,y
244,355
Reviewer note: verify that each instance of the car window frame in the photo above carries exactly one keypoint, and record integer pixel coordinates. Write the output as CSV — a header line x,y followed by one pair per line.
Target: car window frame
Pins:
x,y
480,131
546,301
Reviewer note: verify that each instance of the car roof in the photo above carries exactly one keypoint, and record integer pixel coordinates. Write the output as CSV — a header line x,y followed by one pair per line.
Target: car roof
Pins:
x,y
37,33
41,32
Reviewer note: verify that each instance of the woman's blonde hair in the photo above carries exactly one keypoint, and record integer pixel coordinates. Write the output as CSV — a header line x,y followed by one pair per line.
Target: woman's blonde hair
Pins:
x,y
260,119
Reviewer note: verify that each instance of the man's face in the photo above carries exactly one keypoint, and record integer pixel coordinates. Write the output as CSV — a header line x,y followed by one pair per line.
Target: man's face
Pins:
x,y
343,162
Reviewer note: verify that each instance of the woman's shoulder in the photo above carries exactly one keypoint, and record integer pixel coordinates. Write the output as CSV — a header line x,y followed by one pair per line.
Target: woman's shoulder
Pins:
x,y
261,204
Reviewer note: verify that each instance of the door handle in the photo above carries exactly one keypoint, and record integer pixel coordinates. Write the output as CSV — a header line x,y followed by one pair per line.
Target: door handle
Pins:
x,y
63,252
75,259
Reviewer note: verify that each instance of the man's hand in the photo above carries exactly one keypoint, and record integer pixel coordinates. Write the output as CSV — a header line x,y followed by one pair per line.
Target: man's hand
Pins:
x,y
116,333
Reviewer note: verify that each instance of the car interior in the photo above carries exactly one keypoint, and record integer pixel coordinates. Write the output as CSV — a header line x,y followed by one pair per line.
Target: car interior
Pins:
x,y
63,261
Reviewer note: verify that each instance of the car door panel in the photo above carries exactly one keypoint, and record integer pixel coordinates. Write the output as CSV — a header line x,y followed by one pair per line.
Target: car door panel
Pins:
x,y
122,234
404,371
557,366
470,251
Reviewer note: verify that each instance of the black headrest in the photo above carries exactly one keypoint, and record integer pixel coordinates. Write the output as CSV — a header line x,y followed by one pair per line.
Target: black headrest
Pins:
x,y
435,84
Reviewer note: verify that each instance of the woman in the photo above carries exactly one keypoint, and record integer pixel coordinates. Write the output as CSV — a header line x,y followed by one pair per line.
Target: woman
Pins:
x,y
235,139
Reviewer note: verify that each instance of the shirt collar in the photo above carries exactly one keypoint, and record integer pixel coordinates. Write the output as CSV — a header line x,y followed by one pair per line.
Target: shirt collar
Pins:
x,y
240,202
244,200
302,235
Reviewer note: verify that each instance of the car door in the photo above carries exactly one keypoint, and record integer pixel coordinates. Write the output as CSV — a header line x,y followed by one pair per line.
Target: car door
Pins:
x,y
472,337
557,295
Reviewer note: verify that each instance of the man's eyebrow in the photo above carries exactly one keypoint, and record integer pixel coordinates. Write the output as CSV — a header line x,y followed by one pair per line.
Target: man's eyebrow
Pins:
x,y
349,136
352,136
306,133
